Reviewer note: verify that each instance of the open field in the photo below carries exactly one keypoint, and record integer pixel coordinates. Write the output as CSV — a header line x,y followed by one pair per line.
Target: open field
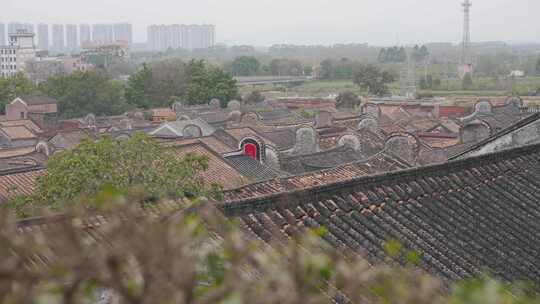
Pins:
x,y
483,86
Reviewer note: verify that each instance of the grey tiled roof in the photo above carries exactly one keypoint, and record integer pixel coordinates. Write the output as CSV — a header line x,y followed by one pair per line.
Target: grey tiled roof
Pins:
x,y
462,218
38,100
251,168
283,138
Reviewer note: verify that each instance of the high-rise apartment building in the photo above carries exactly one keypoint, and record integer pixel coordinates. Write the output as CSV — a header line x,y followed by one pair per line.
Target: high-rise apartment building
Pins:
x,y
152,37
165,37
123,32
58,37
43,36
209,38
102,33
190,37
71,37
2,34
85,34
14,27
176,36
186,37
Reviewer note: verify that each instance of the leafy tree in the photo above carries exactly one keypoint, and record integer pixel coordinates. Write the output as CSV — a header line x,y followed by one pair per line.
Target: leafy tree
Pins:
x,y
424,52
467,82
401,55
437,82
308,70
156,85
254,97
198,256
538,67
136,162
12,87
120,68
392,55
344,69
420,53
162,83
327,69
369,77
85,92
169,80
487,65
245,66
208,82
338,69
382,56
286,67
137,87
423,83
426,82
347,100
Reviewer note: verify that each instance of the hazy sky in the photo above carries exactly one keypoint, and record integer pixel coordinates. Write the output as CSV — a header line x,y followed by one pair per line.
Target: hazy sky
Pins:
x,y
265,22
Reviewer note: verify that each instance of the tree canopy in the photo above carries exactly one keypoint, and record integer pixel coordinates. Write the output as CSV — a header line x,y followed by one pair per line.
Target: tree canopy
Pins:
x,y
467,82
286,67
245,66
137,162
12,87
338,69
392,55
420,53
371,78
85,92
195,255
348,100
196,82
157,84
208,82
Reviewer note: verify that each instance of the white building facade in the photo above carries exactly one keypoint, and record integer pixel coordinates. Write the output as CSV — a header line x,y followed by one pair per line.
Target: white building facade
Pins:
x,y
58,35
85,34
43,36
15,55
71,37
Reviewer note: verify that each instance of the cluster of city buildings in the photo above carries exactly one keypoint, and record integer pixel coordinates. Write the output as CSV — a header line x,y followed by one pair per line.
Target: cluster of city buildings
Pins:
x,y
176,36
21,55
71,37
21,43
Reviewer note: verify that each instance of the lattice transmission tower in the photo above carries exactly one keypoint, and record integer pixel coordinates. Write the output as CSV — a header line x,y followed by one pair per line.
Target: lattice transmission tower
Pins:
x,y
466,57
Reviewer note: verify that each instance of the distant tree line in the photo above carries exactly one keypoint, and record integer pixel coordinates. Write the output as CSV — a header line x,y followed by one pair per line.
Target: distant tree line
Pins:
x,y
338,69
392,55
196,82
310,53
155,85
399,54
368,77
420,53
245,66
251,66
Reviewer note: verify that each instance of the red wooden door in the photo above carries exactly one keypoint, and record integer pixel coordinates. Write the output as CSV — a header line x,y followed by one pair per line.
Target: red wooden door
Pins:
x,y
250,150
